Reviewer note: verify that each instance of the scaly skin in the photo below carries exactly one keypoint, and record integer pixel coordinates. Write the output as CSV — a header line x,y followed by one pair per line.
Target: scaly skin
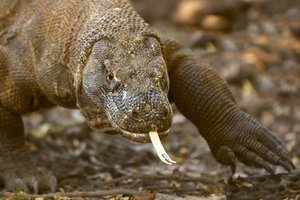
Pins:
x,y
204,98
101,57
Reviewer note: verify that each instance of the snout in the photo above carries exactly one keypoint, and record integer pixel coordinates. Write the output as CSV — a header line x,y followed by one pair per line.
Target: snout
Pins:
x,y
140,113
144,116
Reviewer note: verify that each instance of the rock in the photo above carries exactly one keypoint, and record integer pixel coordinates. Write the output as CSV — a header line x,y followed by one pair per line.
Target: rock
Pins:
x,y
211,15
296,31
201,39
215,23
155,10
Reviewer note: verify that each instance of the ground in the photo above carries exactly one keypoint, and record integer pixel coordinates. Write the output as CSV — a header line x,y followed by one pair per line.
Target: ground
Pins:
x,y
255,46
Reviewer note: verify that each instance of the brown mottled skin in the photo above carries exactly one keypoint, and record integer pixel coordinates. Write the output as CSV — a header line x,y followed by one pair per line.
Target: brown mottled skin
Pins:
x,y
101,57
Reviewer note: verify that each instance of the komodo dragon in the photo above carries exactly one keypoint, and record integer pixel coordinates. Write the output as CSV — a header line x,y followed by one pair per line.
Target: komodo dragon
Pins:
x,y
101,57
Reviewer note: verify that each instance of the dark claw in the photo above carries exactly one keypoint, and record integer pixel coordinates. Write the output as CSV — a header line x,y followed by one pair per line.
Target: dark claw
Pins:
x,y
35,186
286,165
53,184
291,164
233,168
20,184
267,167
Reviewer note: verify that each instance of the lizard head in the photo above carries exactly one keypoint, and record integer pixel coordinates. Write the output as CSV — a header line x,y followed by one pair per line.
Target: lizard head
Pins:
x,y
129,79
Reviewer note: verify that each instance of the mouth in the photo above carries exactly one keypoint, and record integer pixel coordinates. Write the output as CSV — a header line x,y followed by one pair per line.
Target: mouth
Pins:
x,y
153,137
142,137
137,137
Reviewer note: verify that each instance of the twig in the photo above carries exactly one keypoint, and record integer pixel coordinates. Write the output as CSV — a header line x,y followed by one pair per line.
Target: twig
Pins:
x,y
100,193
161,177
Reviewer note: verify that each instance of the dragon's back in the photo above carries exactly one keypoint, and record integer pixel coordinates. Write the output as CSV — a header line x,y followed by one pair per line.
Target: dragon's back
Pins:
x,y
8,11
45,38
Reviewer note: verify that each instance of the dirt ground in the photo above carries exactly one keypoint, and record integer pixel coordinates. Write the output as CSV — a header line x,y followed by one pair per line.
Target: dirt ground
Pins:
x,y
255,46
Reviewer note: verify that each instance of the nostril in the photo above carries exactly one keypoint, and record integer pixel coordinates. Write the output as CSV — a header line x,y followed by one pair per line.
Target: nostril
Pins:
x,y
135,114
166,112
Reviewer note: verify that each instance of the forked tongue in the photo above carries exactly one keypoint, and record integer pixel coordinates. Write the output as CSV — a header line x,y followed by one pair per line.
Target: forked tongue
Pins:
x,y
162,154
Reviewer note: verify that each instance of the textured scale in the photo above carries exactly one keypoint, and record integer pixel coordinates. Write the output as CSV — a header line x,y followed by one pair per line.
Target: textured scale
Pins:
x,y
101,57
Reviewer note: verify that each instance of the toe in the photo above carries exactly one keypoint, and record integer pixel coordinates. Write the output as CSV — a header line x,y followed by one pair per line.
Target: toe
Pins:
x,y
226,156
268,155
249,158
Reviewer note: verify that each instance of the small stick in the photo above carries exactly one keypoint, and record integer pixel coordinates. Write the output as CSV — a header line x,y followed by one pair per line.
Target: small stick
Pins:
x,y
205,180
95,194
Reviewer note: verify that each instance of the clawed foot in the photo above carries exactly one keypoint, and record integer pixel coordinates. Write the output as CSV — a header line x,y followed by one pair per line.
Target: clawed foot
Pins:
x,y
29,179
253,145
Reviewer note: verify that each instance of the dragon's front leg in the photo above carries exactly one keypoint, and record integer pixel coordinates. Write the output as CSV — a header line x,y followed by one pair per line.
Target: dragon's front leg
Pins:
x,y
204,98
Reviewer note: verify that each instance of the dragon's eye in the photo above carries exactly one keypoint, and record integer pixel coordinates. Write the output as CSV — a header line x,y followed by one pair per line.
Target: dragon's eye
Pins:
x,y
110,76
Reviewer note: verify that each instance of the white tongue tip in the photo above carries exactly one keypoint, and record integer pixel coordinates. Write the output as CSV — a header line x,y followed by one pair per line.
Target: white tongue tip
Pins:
x,y
162,154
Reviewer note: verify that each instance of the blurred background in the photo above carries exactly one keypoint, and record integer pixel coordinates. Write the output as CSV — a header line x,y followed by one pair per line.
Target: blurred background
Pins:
x,y
254,45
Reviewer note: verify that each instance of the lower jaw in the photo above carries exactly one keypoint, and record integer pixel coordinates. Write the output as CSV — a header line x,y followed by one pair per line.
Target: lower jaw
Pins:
x,y
135,137
142,137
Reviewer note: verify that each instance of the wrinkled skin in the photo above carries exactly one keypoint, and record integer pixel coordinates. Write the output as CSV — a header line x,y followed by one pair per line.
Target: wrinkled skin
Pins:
x,y
101,57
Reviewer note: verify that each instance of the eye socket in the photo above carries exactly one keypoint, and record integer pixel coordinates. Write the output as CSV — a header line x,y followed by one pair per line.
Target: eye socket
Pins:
x,y
114,84
110,76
